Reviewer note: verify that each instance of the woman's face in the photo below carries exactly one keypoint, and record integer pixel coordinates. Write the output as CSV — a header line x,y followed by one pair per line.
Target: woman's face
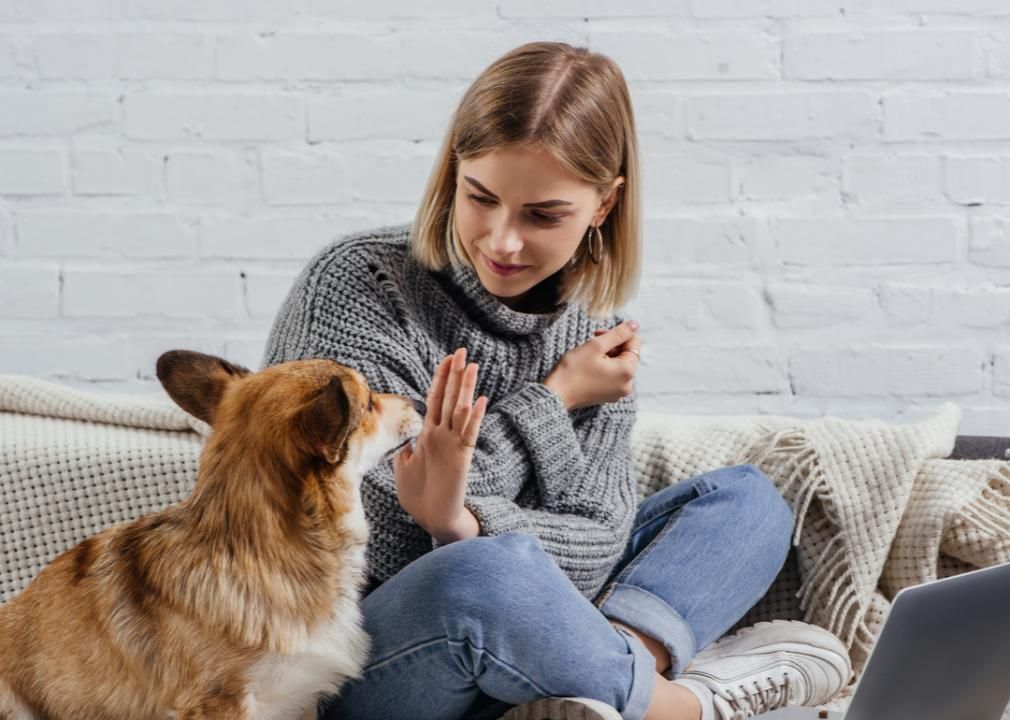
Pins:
x,y
518,207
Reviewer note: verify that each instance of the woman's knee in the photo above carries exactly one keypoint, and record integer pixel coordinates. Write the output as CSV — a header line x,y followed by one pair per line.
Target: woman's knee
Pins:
x,y
760,498
491,569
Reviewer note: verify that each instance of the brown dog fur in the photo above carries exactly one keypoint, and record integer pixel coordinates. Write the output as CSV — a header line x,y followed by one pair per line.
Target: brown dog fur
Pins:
x,y
241,601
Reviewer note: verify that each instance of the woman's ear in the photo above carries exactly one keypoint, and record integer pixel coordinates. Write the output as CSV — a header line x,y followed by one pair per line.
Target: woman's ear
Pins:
x,y
195,381
608,200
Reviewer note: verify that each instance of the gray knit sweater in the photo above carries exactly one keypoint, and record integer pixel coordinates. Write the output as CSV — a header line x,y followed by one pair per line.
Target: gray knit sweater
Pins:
x,y
564,476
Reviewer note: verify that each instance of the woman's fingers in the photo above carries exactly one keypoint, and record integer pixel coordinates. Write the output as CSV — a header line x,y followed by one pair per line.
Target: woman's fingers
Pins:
x,y
453,384
472,429
435,391
465,399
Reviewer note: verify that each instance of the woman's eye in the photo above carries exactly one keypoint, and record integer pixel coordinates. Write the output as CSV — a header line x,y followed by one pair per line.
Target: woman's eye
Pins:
x,y
549,219
541,217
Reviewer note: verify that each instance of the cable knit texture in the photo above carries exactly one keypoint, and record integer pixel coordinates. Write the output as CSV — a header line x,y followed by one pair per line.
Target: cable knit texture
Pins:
x,y
564,476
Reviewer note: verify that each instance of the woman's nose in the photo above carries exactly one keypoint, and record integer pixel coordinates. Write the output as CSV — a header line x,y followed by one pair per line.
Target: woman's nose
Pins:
x,y
505,241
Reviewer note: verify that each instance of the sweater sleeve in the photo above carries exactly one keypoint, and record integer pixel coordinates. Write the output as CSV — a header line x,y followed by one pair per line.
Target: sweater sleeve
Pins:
x,y
341,308
588,505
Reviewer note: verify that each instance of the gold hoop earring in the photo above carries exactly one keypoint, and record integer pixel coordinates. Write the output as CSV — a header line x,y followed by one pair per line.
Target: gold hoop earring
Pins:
x,y
589,241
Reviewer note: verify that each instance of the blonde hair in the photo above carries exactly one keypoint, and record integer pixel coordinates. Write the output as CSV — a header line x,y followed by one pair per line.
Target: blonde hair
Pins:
x,y
575,105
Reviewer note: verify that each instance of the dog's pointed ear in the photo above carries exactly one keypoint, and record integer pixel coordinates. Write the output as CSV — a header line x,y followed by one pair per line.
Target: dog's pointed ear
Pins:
x,y
195,381
327,422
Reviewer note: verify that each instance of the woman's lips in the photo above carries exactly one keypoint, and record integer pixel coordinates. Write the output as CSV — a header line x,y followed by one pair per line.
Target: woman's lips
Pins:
x,y
502,269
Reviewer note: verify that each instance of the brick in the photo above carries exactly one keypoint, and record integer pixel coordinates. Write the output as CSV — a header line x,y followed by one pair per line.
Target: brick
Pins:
x,y
882,371
906,305
783,115
307,56
1001,372
177,293
29,290
669,179
36,11
15,59
55,112
391,178
397,9
281,237
665,304
789,177
378,112
675,243
928,115
258,11
972,307
72,354
117,171
977,180
917,8
211,178
218,116
60,234
33,171
265,291
422,50
708,55
876,179
592,8
143,351
796,305
304,179
246,351
767,8
913,54
700,369
133,56
874,242
989,243
658,112
941,307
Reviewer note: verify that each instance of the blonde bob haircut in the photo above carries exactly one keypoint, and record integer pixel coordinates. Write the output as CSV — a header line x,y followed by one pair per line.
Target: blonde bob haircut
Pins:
x,y
575,105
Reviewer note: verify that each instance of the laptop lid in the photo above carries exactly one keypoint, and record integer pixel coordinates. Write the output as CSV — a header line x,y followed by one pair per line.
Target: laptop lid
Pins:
x,y
943,653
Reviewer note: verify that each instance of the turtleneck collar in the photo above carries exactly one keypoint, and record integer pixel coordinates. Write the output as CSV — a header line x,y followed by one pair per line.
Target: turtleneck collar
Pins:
x,y
464,287
491,312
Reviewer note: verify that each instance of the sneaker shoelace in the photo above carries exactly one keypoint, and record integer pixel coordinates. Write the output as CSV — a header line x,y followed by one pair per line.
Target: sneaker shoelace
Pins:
x,y
746,702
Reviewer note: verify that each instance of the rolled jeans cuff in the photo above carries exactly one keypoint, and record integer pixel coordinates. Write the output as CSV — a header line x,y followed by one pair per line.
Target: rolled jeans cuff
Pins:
x,y
653,617
643,681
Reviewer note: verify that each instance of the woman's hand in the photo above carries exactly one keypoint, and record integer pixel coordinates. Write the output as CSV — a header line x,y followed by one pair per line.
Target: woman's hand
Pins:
x,y
601,370
431,477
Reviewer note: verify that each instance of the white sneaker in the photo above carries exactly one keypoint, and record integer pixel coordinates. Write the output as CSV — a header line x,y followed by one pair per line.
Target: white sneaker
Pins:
x,y
560,708
765,667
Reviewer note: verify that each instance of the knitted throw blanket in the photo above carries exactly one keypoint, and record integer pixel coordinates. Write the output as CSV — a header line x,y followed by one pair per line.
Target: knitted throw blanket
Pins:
x,y
876,506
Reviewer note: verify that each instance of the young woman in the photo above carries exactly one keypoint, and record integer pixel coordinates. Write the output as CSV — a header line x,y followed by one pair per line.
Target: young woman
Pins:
x,y
509,559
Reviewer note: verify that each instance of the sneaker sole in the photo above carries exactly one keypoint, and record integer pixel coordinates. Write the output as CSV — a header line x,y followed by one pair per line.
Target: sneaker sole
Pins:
x,y
556,708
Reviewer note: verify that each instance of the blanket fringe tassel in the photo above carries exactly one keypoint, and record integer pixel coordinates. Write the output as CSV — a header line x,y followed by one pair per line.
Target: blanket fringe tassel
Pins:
x,y
990,511
830,582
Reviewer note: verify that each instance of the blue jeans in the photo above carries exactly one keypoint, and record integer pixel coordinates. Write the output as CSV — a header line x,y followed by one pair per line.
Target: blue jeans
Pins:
x,y
480,625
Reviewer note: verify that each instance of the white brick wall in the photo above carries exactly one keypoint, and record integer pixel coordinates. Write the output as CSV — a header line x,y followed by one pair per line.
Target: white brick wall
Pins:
x,y
826,182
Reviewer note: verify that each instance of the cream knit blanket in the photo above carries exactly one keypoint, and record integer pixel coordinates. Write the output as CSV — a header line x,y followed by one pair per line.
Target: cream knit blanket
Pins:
x,y
876,506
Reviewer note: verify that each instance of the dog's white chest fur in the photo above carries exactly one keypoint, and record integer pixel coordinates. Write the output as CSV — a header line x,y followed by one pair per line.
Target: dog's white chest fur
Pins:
x,y
284,687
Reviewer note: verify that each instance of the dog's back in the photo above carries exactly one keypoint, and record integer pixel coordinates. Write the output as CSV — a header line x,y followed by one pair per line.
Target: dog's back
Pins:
x,y
239,602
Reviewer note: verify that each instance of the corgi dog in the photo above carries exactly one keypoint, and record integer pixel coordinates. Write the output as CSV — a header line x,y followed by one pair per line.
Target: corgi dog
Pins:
x,y
242,600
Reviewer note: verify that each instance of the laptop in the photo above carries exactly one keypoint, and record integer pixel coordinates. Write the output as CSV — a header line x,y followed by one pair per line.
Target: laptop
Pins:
x,y
942,654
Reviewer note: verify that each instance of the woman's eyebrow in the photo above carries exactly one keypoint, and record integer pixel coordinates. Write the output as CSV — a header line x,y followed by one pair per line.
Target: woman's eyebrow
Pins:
x,y
542,204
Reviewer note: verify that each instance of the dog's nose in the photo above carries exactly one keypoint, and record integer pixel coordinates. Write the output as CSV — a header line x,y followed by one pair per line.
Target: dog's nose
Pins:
x,y
421,408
